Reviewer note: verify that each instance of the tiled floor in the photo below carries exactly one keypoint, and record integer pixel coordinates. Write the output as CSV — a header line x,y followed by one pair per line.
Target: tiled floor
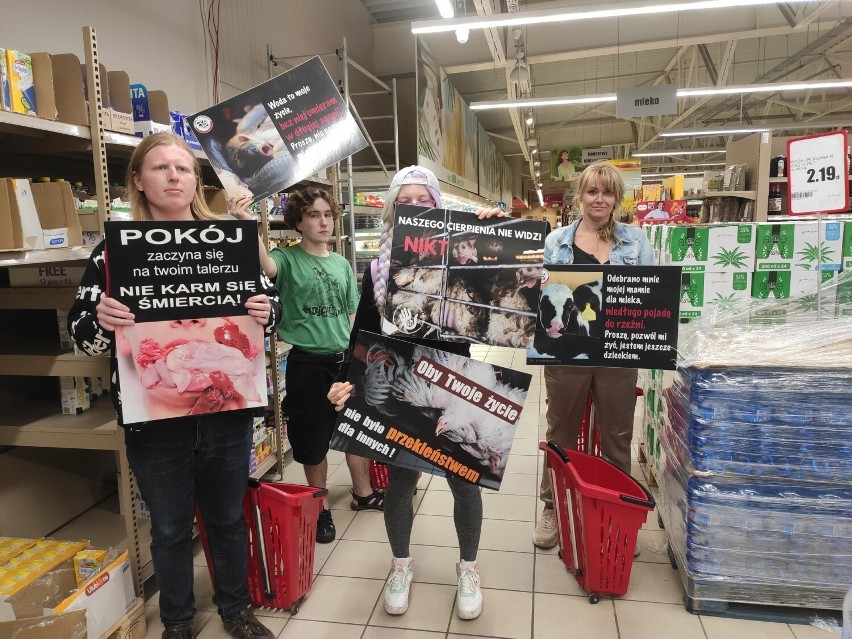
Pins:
x,y
528,593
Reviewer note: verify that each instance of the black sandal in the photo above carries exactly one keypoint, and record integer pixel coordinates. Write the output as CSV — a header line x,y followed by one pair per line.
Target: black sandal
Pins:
x,y
373,501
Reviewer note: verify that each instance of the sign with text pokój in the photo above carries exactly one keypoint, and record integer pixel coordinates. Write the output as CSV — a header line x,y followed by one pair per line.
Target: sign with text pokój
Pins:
x,y
818,173
426,409
279,132
605,315
458,278
193,349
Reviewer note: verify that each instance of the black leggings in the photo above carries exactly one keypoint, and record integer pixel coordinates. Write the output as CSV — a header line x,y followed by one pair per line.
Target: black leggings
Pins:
x,y
399,512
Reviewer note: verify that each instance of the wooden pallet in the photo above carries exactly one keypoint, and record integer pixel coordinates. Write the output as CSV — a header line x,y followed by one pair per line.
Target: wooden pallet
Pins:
x,y
644,458
759,612
130,626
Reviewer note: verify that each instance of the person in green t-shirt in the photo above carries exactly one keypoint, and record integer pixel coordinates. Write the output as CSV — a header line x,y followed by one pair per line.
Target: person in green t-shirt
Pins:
x,y
318,307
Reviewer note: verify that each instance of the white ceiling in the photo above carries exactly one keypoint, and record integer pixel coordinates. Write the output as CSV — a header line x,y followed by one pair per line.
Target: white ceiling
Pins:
x,y
776,43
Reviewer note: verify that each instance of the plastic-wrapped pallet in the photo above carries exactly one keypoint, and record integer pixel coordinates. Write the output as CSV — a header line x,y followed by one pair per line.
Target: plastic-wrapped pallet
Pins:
x,y
755,466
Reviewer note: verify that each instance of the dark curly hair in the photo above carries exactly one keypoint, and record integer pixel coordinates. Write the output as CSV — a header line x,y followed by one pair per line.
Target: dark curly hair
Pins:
x,y
298,203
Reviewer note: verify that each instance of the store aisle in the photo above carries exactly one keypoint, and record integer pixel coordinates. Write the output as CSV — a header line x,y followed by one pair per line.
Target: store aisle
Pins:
x,y
528,593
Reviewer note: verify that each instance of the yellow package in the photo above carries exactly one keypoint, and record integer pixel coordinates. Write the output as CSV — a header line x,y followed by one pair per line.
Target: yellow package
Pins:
x,y
87,563
19,67
12,546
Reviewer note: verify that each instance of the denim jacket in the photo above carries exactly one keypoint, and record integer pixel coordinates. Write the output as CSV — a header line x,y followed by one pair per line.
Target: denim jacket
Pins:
x,y
631,246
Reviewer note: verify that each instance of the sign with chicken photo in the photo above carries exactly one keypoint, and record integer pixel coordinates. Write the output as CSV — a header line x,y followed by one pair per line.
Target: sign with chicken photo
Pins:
x,y
426,409
605,315
458,278
192,349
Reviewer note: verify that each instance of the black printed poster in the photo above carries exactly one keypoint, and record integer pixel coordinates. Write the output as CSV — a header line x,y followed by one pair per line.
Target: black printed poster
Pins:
x,y
279,132
429,410
192,349
455,277
604,315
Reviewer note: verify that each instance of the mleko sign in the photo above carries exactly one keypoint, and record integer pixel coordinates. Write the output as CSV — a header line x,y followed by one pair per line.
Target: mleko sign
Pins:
x,y
647,100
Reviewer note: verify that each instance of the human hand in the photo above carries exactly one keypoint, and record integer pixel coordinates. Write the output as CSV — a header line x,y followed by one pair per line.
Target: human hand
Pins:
x,y
484,214
259,308
339,393
111,314
238,206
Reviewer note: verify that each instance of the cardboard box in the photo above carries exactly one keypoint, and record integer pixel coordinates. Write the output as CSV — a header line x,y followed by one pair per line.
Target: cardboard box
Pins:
x,y
105,598
31,227
74,395
799,246
58,215
846,259
68,626
844,294
120,106
791,296
701,290
68,101
652,192
698,247
5,100
19,69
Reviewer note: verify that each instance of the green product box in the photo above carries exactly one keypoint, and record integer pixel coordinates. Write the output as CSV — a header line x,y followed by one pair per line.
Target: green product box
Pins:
x,y
699,248
792,296
846,259
701,290
844,293
799,246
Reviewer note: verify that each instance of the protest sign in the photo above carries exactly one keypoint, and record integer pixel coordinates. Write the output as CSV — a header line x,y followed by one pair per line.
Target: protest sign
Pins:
x,y
604,315
279,132
456,277
192,349
429,410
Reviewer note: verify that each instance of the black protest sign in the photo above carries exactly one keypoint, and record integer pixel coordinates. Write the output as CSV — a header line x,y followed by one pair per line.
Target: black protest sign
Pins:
x,y
279,132
426,409
182,270
456,277
604,315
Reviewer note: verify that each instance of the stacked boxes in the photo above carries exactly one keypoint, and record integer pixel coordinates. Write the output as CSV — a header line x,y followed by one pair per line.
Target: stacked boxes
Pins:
x,y
802,246
28,559
716,260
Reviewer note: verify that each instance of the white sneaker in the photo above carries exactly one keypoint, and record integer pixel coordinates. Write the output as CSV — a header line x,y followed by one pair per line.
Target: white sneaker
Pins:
x,y
398,586
469,596
546,533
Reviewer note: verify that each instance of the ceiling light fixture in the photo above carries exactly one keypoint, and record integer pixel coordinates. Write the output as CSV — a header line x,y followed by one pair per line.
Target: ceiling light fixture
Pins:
x,y
675,152
591,12
540,196
772,87
462,35
734,130
445,7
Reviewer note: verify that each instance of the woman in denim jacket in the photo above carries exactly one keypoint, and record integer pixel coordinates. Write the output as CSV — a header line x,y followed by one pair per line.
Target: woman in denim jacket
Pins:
x,y
596,238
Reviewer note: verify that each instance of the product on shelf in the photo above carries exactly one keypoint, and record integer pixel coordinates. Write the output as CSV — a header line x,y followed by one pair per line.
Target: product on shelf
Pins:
x,y
807,246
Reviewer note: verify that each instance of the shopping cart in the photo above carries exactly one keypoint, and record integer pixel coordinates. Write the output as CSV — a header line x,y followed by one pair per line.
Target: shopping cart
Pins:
x,y
599,511
282,527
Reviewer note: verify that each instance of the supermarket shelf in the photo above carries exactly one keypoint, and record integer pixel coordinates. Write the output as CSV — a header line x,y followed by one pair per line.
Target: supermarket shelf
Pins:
x,y
748,195
778,180
265,466
45,256
16,122
37,297
41,424
45,359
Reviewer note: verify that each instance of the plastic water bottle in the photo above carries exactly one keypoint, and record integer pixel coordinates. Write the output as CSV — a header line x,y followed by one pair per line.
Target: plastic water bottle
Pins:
x,y
846,633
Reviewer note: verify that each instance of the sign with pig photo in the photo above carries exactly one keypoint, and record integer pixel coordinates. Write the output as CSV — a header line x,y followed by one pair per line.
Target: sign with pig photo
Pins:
x,y
429,410
458,278
605,315
193,349
279,132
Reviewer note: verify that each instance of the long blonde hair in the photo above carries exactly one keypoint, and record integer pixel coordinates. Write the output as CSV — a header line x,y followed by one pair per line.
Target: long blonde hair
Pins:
x,y
612,181
139,203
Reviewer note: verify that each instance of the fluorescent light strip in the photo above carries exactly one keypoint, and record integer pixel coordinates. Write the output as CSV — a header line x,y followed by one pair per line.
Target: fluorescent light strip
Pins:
x,y
673,152
445,7
540,197
592,12
732,131
776,87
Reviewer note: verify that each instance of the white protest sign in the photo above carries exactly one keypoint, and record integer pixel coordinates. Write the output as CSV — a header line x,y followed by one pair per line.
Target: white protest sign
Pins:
x,y
819,174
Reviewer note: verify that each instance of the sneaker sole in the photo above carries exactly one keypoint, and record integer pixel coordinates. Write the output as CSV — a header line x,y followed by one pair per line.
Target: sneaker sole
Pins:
x,y
396,610
469,614
539,544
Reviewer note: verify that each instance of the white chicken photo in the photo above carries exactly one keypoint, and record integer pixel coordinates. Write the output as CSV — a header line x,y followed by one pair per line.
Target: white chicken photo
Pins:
x,y
391,387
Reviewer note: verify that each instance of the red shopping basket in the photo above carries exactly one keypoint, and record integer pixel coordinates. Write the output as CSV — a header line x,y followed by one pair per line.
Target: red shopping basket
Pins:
x,y
588,436
378,475
282,527
599,510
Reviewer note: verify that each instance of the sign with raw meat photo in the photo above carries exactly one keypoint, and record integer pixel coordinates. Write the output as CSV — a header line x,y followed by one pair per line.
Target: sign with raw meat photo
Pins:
x,y
456,277
605,315
429,410
193,348
279,132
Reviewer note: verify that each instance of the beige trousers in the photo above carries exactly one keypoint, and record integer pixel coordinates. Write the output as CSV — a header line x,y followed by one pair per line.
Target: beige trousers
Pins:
x,y
614,394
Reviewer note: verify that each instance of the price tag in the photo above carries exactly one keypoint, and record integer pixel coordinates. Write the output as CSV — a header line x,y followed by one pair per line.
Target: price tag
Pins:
x,y
819,174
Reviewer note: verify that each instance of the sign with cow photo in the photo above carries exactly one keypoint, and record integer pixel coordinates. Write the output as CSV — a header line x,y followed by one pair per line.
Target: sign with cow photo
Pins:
x,y
604,315
458,278
427,409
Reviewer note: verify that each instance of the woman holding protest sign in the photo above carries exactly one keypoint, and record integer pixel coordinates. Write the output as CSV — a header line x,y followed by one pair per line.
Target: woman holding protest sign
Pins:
x,y
180,461
418,186
595,238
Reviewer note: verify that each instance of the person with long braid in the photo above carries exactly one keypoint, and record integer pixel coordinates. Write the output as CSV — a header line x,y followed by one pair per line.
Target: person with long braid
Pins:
x,y
418,186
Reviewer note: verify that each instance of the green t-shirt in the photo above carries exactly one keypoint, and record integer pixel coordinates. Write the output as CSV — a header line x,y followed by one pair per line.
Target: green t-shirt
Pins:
x,y
317,296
